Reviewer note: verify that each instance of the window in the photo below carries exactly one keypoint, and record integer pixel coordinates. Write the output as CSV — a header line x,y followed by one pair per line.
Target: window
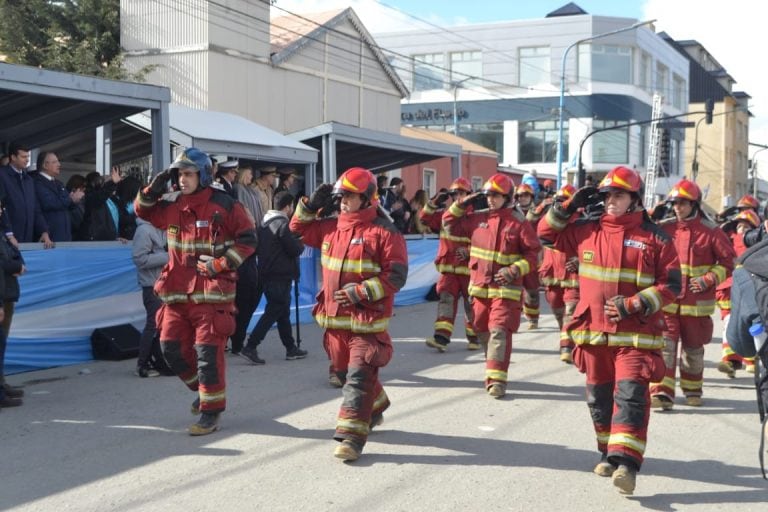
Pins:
x,y
466,64
477,182
661,79
678,92
428,182
611,146
428,71
535,66
488,135
644,74
605,63
538,142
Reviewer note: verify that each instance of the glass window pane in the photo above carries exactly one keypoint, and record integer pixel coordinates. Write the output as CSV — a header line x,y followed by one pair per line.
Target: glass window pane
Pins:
x,y
534,66
611,147
427,72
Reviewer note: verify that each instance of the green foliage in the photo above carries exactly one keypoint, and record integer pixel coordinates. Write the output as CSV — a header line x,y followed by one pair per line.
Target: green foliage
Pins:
x,y
77,36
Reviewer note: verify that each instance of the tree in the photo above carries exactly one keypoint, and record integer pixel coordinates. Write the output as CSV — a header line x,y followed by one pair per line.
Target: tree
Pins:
x,y
77,36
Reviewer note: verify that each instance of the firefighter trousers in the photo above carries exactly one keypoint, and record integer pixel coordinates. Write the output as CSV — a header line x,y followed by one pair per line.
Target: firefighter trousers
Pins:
x,y
495,320
684,337
451,288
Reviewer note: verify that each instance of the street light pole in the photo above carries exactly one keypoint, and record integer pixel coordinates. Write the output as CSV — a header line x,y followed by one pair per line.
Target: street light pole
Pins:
x,y
455,110
562,90
754,171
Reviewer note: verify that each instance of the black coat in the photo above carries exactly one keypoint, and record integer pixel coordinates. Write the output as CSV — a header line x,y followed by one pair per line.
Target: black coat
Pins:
x,y
21,205
278,249
10,262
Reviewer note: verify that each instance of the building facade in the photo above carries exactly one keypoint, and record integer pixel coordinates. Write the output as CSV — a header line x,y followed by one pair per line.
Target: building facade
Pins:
x,y
498,84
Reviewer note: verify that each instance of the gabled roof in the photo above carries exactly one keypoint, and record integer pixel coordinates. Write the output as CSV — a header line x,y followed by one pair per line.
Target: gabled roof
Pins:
x,y
569,9
467,146
288,34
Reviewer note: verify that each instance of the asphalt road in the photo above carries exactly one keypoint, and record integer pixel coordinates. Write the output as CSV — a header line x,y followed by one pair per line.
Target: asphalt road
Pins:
x,y
95,437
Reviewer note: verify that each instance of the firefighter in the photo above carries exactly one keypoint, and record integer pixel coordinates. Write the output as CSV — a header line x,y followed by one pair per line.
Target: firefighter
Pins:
x,y
503,249
560,278
209,236
451,262
628,270
706,259
524,201
364,263
731,361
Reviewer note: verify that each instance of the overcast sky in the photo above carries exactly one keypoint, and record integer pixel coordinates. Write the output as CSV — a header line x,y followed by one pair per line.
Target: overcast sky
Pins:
x,y
729,31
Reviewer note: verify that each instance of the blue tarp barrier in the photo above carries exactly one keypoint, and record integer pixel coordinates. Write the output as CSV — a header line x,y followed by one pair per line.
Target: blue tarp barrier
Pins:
x,y
69,291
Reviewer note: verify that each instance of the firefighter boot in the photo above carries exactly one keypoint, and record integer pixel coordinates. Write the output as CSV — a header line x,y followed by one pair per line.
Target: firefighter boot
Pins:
x,y
566,355
439,342
207,424
497,390
662,402
604,468
348,450
693,401
14,392
624,479
195,408
727,368
335,381
473,344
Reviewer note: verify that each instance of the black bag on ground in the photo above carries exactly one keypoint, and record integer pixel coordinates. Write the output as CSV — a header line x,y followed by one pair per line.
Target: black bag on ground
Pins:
x,y
115,343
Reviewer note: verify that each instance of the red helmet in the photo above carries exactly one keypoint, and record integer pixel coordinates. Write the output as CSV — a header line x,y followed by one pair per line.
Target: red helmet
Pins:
x,y
461,184
622,178
524,188
565,191
359,181
685,189
748,216
499,183
747,201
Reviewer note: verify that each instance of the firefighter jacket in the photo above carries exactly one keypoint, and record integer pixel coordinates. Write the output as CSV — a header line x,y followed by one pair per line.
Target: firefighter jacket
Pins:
x,y
702,248
208,222
499,238
618,255
447,261
552,271
355,248
722,295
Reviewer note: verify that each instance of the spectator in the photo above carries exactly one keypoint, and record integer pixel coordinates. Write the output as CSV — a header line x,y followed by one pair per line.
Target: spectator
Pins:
x,y
246,193
265,186
289,181
278,268
225,176
381,185
397,205
4,160
418,202
11,266
54,199
101,221
77,210
24,216
126,192
150,255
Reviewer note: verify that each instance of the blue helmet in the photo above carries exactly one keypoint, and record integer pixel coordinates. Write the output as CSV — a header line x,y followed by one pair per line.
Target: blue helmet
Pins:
x,y
193,157
530,179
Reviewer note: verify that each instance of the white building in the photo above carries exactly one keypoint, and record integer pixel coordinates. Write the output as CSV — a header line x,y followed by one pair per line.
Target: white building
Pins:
x,y
502,81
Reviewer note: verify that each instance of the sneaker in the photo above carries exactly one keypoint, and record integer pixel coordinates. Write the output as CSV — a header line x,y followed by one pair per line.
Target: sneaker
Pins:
x,y
195,408
662,402
727,368
146,371
533,325
10,401
208,423
604,468
472,344
439,342
347,450
295,353
566,355
624,479
497,390
693,401
335,381
252,355
14,392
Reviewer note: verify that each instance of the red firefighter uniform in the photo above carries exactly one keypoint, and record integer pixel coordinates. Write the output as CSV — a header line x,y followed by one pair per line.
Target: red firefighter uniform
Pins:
x,y
364,253
501,241
531,284
452,263
197,315
706,256
731,361
628,270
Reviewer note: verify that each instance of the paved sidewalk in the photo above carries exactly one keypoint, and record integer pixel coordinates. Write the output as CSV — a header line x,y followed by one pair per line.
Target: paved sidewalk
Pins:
x,y
94,437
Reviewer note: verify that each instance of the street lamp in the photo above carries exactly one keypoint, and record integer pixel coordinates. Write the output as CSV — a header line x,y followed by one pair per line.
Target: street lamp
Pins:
x,y
754,170
455,86
562,90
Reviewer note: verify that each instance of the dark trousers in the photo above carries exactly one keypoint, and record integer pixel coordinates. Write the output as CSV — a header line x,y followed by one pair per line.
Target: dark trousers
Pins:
x,y
278,294
149,343
8,308
3,343
247,297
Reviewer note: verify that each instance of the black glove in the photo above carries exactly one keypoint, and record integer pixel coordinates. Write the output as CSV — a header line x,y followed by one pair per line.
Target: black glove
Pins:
x,y
660,211
480,202
440,199
320,198
159,184
582,197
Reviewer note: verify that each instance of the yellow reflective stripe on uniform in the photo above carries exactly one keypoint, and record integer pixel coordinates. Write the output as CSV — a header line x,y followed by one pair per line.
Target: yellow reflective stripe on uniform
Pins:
x,y
381,399
719,272
234,256
724,304
496,375
303,214
569,283
374,288
603,437
653,297
442,325
550,281
196,297
498,257
348,265
469,330
198,246
557,222
350,425
212,397
429,209
530,311
671,309
523,265
619,339
447,236
691,384
628,440
495,293
694,270
456,210
191,381
614,275
668,382
701,308
347,323
145,201
452,269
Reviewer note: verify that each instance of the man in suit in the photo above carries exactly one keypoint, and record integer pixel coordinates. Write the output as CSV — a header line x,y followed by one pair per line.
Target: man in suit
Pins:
x,y
54,199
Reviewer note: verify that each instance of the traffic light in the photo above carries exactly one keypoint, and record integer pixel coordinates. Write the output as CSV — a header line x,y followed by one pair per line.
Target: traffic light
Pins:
x,y
709,106
664,150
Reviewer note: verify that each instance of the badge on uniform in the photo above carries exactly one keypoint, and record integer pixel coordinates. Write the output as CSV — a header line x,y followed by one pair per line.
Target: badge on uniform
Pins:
x,y
356,241
201,224
325,247
635,244
587,256
173,230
